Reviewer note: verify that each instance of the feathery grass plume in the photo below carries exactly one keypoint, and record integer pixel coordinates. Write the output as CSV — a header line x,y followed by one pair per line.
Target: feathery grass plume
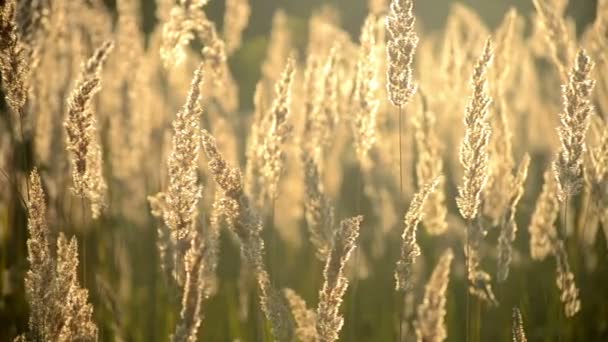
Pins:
x,y
81,132
327,115
246,225
71,300
57,63
178,30
595,39
184,190
236,18
542,225
400,50
475,159
211,240
329,322
565,280
473,150
365,92
409,247
319,212
517,328
254,180
279,47
544,240
428,167
596,170
575,121
33,21
278,130
164,243
97,186
59,307
509,227
41,272
480,282
305,318
311,133
596,177
128,87
187,21
471,28
506,35
496,195
193,293
556,33
430,322
14,63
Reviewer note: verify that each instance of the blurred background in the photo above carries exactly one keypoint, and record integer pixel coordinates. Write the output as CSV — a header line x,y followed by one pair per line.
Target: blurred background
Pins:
x,y
431,15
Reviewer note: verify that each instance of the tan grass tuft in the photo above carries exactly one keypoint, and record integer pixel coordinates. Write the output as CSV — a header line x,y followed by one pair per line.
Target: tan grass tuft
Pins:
x,y
81,131
365,92
305,318
473,150
575,121
542,226
319,212
428,167
430,322
400,50
247,226
236,19
509,227
14,62
329,321
409,247
41,271
278,130
556,32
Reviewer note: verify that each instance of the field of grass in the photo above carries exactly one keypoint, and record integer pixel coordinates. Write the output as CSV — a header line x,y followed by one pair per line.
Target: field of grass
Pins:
x,y
315,171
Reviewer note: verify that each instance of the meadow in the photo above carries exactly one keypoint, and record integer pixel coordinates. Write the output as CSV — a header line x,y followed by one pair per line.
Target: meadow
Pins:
x,y
254,170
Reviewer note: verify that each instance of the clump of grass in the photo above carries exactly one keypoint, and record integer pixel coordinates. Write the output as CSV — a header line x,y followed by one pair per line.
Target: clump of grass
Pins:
x,y
278,130
550,17
409,248
430,322
475,159
12,59
473,150
365,98
304,317
60,310
430,167
542,227
319,211
82,132
509,227
317,146
246,225
329,321
186,21
178,204
400,49
544,241
575,121
236,19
